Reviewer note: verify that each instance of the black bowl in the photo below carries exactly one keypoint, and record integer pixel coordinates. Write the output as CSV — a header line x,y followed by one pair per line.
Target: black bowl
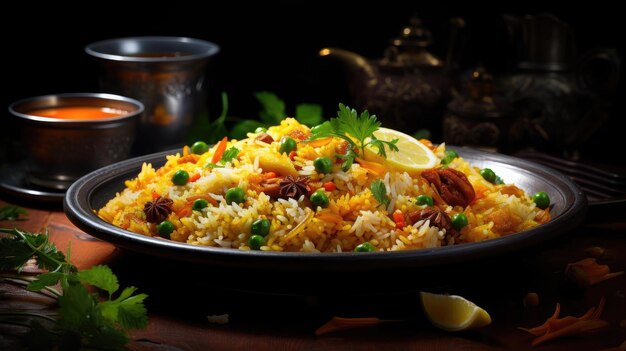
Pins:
x,y
314,272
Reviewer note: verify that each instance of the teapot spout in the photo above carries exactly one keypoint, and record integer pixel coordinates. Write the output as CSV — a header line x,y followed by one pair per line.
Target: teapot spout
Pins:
x,y
357,65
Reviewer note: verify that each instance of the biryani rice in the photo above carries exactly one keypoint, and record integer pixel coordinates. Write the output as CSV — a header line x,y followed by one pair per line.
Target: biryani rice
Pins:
x,y
353,216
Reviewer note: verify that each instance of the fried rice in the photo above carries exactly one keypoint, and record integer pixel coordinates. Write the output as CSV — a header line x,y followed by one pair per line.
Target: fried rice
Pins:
x,y
353,215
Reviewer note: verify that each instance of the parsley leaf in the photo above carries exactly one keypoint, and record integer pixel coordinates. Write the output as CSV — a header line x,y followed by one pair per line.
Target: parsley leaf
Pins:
x,y
131,310
16,251
11,213
357,130
84,322
101,277
229,155
380,192
43,280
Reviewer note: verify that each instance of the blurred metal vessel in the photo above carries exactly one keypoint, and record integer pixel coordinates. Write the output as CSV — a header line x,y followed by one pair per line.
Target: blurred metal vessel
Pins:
x,y
167,74
409,87
59,151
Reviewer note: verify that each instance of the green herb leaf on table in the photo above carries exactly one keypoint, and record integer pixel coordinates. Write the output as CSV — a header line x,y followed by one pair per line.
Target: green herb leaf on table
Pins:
x,y
380,192
43,280
127,310
84,321
17,250
101,277
11,212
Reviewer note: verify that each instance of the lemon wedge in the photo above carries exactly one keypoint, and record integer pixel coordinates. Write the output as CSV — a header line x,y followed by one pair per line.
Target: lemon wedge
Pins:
x,y
453,313
412,157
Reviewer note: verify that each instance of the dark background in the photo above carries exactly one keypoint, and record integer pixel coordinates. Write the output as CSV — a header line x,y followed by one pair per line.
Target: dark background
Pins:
x,y
274,46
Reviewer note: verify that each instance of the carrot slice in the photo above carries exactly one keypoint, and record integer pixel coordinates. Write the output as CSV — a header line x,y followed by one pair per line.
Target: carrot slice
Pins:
x,y
219,150
319,142
555,327
579,327
270,175
398,218
329,186
184,211
372,166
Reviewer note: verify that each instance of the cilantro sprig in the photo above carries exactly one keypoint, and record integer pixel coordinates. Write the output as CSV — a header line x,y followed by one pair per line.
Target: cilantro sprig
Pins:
x,y
380,192
357,129
11,212
83,321
227,156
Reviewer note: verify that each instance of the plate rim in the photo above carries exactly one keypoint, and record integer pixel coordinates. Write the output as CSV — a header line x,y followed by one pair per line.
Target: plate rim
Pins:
x,y
78,196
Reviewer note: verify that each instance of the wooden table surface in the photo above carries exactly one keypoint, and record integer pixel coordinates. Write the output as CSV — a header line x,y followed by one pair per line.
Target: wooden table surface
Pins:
x,y
181,298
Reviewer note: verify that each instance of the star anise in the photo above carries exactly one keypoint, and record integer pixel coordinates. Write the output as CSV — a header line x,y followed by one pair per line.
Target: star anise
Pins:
x,y
157,211
293,188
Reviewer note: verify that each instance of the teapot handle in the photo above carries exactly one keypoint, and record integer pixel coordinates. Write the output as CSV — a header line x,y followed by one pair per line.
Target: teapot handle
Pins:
x,y
599,70
456,42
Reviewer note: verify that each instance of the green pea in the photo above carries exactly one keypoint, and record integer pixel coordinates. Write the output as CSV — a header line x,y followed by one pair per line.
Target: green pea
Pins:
x,y
459,220
256,241
425,200
180,177
199,147
165,228
449,156
498,180
542,200
199,204
287,145
488,174
261,227
235,195
319,198
364,247
323,164
260,130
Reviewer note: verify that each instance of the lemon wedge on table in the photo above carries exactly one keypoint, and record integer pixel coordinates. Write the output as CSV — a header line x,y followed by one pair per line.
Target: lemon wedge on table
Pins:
x,y
412,156
453,313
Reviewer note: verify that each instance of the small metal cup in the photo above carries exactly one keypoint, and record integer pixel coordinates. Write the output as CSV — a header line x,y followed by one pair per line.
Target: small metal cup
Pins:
x,y
60,151
167,74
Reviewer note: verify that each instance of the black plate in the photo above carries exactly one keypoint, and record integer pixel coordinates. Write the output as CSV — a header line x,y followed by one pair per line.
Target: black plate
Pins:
x,y
283,271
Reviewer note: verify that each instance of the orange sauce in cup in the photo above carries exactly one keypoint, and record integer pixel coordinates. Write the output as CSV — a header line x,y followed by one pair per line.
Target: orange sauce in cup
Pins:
x,y
78,112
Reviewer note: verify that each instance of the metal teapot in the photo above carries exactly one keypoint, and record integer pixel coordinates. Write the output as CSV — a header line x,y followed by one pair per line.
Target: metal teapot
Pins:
x,y
560,99
409,87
